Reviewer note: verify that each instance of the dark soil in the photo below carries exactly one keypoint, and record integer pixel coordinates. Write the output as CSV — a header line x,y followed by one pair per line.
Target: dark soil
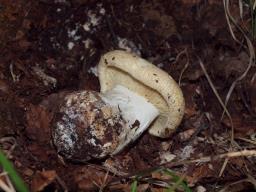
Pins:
x,y
48,48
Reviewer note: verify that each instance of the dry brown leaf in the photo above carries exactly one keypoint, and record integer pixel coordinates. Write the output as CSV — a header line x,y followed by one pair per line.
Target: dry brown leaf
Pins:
x,y
38,120
196,173
125,187
4,86
90,178
185,135
43,179
231,65
191,108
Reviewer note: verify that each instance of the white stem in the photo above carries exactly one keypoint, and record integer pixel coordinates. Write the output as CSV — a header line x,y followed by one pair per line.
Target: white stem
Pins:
x,y
135,110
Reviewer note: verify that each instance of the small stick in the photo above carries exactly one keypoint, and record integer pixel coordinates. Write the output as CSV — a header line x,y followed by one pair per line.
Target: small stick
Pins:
x,y
5,187
62,183
115,39
185,51
218,97
223,166
247,140
243,153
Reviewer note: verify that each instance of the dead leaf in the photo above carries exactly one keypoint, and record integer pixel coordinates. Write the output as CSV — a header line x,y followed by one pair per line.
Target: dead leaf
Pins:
x,y
4,86
230,65
185,135
191,108
161,24
28,172
143,187
38,120
19,34
125,187
24,44
43,179
196,173
90,178
243,127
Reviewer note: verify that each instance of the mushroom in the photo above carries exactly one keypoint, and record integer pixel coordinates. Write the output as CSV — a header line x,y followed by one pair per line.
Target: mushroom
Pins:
x,y
135,96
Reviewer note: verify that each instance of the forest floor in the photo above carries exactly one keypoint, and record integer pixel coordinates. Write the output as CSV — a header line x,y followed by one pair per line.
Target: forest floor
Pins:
x,y
47,47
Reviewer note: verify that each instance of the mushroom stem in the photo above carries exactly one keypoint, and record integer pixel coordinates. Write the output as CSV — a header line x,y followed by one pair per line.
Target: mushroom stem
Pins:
x,y
135,110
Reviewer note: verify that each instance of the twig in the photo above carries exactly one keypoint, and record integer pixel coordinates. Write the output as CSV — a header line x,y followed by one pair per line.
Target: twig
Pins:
x,y
234,183
9,183
15,77
240,3
250,47
103,184
229,18
249,179
62,183
114,37
223,167
186,65
5,187
252,58
13,142
247,140
242,153
218,97
244,100
252,180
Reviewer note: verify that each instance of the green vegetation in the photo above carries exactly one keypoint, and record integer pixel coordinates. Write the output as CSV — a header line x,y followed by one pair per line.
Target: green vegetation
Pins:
x,y
177,182
251,4
134,186
15,178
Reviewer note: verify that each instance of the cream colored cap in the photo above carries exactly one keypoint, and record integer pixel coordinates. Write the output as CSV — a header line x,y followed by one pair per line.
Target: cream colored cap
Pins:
x,y
140,76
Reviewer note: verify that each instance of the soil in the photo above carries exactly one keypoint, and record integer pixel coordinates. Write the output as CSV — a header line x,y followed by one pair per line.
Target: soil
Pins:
x,y
49,48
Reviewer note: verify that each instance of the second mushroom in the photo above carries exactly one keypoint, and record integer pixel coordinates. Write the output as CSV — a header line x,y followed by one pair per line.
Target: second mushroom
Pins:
x,y
135,96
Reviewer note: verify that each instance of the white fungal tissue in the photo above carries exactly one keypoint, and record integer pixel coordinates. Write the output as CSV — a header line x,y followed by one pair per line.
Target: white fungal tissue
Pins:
x,y
94,18
94,70
128,46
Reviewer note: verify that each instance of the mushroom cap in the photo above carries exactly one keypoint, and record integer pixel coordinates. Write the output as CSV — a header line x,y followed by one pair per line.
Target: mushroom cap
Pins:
x,y
129,70
85,127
